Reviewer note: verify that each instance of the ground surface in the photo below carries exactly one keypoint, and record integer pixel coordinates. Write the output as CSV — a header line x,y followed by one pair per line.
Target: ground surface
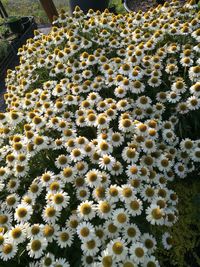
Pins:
x,y
143,5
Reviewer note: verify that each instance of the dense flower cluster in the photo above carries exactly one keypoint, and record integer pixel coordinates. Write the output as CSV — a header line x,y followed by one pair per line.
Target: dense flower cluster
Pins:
x,y
89,140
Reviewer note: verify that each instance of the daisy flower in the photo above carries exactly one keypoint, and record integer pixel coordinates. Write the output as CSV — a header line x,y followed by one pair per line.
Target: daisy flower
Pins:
x,y
36,247
180,169
50,214
120,217
23,212
195,89
131,233
48,260
118,249
106,162
64,237
187,145
134,207
86,210
155,215
59,200
18,233
151,261
149,146
113,193
87,260
127,193
179,87
105,209
61,262
34,231
91,247
62,161
138,252
106,259
8,250
111,230
130,155
117,139
93,178
137,87
149,242
167,240
193,103
85,231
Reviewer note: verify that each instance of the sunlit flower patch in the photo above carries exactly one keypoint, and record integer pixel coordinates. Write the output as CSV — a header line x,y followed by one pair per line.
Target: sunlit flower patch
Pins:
x,y
90,141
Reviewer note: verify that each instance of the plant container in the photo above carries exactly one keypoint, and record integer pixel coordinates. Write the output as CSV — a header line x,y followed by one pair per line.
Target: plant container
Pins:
x,y
15,24
26,21
85,5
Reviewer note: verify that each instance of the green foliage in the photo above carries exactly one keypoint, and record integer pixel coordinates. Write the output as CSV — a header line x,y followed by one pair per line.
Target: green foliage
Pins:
x,y
4,46
31,8
12,19
186,232
119,7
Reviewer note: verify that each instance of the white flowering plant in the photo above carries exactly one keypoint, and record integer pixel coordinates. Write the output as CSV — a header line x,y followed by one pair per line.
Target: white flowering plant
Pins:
x,y
91,142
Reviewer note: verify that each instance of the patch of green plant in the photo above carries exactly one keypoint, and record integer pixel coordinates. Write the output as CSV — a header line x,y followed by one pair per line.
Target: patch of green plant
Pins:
x,y
4,47
118,5
186,232
12,19
31,8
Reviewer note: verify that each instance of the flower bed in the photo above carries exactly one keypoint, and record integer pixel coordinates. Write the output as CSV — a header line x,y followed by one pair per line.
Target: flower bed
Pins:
x,y
92,138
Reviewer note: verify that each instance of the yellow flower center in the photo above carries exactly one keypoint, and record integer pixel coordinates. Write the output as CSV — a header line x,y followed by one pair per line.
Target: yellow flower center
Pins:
x,y
107,261
34,188
48,231
50,211
22,212
149,192
67,172
35,230
47,261
128,264
46,177
58,198
64,236
92,177
73,223
127,192
36,245
131,153
10,200
62,160
7,249
85,208
112,228
121,218
169,240
134,205
151,264
105,207
118,248
131,232
91,244
54,186
16,233
139,252
157,214
148,243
